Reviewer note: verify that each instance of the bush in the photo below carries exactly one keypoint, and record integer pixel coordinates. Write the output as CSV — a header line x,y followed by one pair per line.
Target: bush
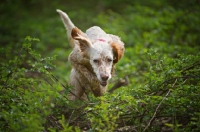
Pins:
x,y
168,99
28,94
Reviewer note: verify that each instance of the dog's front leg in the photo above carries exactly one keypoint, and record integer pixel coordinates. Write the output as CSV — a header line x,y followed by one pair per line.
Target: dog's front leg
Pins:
x,y
77,92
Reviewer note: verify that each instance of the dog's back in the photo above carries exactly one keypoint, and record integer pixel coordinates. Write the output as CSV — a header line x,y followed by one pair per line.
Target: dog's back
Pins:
x,y
96,33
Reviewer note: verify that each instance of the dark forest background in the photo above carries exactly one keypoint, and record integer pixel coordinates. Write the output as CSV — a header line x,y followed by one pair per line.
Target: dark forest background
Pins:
x,y
158,78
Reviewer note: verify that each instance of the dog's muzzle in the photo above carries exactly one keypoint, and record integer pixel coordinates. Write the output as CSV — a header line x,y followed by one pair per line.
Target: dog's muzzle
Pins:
x,y
104,83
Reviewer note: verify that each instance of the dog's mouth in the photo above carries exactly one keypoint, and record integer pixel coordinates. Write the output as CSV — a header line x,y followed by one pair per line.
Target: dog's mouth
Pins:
x,y
103,83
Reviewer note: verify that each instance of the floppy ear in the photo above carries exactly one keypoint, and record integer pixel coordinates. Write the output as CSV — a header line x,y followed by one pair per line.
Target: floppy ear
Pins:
x,y
118,51
84,41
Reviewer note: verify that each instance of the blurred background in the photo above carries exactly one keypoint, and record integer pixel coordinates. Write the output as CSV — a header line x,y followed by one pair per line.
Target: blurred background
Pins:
x,y
168,25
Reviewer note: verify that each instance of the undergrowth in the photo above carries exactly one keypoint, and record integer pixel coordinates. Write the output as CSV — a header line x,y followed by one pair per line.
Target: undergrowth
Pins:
x,y
33,99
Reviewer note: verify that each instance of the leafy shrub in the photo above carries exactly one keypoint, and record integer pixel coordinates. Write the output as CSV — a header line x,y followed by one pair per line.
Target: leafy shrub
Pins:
x,y
28,94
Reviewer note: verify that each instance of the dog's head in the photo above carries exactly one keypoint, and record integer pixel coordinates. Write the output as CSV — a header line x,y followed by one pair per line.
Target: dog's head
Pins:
x,y
102,55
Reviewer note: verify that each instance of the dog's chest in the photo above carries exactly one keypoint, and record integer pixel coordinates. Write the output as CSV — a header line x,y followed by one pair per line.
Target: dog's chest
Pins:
x,y
88,82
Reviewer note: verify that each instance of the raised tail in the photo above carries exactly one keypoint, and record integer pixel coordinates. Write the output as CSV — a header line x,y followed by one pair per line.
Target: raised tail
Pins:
x,y
68,25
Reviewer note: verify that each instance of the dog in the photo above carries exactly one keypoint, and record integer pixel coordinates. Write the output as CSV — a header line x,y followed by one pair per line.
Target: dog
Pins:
x,y
93,58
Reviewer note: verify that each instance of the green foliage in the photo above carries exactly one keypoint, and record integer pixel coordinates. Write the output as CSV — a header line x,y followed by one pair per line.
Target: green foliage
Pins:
x,y
27,95
102,114
161,61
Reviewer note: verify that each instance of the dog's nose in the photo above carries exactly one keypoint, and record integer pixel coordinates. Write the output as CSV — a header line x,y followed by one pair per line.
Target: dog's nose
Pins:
x,y
104,77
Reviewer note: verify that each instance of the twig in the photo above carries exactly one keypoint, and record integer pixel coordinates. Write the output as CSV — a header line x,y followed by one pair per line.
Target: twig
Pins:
x,y
197,63
54,78
158,107
119,84
71,116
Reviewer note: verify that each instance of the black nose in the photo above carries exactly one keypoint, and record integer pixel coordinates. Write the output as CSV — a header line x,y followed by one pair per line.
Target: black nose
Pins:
x,y
104,77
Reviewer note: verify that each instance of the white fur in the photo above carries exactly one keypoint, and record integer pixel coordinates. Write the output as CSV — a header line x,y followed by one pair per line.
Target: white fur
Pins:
x,y
101,52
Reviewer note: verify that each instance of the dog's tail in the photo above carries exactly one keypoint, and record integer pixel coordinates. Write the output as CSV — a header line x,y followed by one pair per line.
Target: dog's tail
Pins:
x,y
68,25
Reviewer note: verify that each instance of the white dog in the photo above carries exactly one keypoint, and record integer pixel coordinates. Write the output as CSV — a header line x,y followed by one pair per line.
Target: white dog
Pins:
x,y
93,58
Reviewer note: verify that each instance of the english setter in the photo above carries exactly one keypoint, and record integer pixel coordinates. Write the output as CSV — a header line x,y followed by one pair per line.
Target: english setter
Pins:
x,y
93,58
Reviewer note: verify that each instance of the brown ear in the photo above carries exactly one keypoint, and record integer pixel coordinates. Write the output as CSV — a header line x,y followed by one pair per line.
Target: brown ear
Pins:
x,y
84,42
118,51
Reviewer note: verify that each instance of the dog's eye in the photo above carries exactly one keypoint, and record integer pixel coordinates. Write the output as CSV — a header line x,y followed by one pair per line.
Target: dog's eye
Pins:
x,y
96,61
109,60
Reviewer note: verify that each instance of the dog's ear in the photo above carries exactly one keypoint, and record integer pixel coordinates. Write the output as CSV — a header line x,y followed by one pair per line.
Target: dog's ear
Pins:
x,y
84,41
118,51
